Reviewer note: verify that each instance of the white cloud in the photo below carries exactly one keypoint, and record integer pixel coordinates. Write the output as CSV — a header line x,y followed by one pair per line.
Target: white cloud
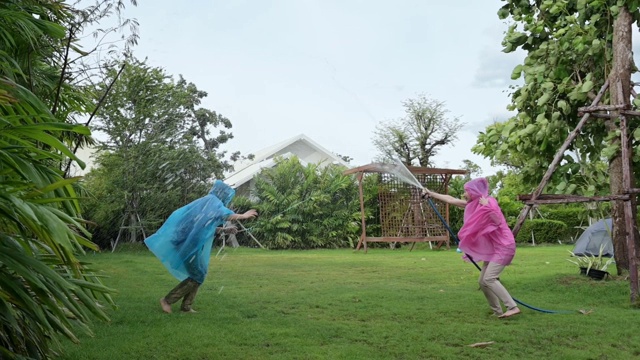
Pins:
x,y
495,68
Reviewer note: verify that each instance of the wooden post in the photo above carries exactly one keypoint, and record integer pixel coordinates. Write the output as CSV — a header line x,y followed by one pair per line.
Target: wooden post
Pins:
x,y
628,210
364,225
623,211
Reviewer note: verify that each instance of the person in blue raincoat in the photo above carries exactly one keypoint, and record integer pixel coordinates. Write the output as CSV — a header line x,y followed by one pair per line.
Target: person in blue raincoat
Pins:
x,y
183,243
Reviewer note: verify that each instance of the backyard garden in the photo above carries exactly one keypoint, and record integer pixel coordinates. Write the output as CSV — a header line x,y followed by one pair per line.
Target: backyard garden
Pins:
x,y
345,304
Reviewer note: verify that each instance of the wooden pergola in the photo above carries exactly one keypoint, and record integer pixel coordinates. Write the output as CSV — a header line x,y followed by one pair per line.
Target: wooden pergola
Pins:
x,y
404,215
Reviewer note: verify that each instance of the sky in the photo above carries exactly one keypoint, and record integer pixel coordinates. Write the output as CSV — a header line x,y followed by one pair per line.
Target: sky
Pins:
x,y
333,69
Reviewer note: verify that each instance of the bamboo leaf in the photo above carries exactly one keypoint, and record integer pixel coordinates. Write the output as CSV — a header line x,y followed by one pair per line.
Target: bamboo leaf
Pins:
x,y
63,183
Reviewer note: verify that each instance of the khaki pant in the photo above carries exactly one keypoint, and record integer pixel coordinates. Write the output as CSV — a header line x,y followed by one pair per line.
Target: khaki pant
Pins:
x,y
493,289
186,291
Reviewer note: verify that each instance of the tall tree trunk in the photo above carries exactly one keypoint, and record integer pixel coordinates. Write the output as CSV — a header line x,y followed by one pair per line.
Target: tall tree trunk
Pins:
x,y
620,95
133,226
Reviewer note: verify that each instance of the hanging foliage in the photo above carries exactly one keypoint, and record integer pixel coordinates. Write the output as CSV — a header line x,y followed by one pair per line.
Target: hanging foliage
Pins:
x,y
45,290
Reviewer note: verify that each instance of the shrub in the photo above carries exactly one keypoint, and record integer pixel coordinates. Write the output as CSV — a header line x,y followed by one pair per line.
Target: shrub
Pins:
x,y
306,207
573,217
544,231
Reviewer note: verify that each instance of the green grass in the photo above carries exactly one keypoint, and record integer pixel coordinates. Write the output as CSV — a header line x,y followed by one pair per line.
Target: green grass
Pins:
x,y
341,304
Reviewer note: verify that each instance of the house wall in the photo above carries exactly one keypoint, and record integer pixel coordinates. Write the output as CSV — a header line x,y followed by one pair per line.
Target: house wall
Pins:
x,y
86,155
305,153
245,189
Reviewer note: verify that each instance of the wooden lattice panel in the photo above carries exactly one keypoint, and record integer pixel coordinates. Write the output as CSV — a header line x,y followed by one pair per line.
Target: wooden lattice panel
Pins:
x,y
404,215
403,212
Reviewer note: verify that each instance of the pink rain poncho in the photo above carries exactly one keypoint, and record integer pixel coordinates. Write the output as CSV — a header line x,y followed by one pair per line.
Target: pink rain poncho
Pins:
x,y
485,235
183,243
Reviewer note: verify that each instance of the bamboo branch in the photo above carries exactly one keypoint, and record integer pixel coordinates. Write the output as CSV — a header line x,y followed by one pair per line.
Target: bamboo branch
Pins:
x,y
63,72
104,96
95,110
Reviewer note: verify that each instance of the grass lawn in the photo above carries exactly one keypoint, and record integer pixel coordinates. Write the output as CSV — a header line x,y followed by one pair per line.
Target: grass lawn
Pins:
x,y
342,304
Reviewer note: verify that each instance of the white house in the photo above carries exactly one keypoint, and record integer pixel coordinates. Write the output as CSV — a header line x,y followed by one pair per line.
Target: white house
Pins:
x,y
87,156
307,151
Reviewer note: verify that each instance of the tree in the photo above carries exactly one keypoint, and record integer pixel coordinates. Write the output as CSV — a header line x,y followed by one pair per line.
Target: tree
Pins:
x,y
420,134
149,106
507,185
474,170
45,290
161,151
81,70
570,53
345,158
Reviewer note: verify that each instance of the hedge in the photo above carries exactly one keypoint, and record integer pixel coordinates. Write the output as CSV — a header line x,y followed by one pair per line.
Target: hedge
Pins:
x,y
575,218
544,231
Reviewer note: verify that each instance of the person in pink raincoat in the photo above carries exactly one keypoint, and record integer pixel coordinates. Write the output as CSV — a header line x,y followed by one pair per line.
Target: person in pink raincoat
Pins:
x,y
485,236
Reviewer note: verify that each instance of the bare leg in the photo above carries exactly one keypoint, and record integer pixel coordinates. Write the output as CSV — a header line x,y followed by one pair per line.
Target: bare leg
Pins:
x,y
510,312
166,307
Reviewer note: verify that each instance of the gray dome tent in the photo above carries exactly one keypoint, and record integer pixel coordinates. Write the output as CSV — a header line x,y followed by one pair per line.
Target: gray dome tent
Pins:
x,y
593,237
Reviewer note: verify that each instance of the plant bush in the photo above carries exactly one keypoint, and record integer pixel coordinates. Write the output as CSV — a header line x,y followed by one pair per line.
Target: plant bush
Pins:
x,y
506,190
370,190
576,218
544,231
306,207
456,214
595,262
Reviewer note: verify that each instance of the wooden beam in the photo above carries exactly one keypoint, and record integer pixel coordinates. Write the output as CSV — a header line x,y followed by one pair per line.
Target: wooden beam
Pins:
x,y
612,116
528,197
407,239
574,199
380,167
600,115
586,109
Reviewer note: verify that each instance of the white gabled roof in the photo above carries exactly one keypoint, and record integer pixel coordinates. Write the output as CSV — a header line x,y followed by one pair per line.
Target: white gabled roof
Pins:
x,y
247,169
240,177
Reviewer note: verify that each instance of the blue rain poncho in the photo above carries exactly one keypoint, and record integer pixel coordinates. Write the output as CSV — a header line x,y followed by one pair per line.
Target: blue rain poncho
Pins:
x,y
183,243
